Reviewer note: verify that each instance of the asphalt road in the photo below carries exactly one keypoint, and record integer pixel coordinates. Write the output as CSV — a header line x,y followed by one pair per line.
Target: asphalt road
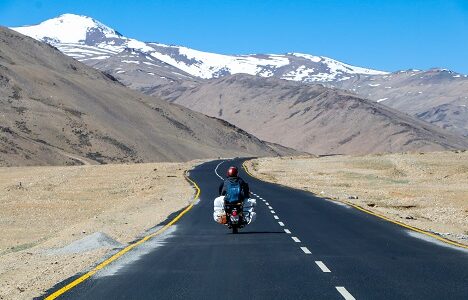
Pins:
x,y
300,247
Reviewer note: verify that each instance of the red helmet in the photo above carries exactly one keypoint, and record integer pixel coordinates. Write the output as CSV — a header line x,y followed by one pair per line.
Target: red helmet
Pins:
x,y
232,172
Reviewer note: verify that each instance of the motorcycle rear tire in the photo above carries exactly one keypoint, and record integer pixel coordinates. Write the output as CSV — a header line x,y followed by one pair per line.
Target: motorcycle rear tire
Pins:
x,y
235,230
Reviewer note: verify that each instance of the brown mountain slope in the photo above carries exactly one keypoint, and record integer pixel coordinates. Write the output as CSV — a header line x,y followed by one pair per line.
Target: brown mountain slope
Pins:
x,y
313,118
438,96
55,110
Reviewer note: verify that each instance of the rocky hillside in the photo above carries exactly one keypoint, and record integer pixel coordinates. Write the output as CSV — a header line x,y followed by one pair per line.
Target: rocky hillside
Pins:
x,y
168,70
438,96
314,118
56,110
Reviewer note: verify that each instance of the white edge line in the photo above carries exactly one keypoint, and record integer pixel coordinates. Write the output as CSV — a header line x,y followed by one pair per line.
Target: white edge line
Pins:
x,y
216,170
345,293
306,251
296,239
322,266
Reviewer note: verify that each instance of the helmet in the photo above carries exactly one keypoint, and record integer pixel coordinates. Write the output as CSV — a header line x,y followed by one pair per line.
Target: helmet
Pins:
x,y
232,172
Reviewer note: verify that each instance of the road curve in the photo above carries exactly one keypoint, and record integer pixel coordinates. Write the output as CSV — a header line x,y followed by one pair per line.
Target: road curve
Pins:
x,y
300,247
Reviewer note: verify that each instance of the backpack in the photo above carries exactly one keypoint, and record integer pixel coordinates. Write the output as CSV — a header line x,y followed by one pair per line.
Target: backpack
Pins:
x,y
233,192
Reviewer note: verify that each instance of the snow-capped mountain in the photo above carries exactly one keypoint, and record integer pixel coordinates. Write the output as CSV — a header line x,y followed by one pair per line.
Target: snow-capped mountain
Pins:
x,y
168,71
90,41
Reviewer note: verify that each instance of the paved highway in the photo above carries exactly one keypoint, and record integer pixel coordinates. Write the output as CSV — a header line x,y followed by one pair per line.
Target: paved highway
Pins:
x,y
300,247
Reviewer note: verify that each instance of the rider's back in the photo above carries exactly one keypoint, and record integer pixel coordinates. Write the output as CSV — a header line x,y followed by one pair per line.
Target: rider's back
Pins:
x,y
234,190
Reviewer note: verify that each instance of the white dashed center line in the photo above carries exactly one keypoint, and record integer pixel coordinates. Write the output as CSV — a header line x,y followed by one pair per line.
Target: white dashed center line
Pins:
x,y
345,293
342,290
323,267
296,239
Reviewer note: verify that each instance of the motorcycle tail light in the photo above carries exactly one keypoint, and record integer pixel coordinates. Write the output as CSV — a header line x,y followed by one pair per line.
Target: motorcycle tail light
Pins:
x,y
234,213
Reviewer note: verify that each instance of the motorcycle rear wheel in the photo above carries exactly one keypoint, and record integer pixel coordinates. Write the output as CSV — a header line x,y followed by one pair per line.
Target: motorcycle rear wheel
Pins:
x,y
235,229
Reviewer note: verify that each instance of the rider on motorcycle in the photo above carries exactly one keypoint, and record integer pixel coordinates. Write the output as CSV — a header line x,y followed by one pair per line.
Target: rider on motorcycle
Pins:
x,y
234,207
231,184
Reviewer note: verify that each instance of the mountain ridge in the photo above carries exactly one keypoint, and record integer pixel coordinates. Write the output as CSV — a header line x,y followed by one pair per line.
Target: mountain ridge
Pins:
x,y
314,118
92,33
168,70
56,110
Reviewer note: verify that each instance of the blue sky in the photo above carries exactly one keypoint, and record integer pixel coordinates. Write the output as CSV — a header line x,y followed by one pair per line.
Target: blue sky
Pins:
x,y
381,34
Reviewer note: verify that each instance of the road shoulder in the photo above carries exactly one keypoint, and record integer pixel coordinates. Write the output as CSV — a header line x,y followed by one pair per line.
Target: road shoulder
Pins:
x,y
419,191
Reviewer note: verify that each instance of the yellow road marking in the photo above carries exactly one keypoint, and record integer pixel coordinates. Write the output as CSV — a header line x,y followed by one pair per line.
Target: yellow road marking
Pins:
x,y
447,241
453,243
126,249
248,172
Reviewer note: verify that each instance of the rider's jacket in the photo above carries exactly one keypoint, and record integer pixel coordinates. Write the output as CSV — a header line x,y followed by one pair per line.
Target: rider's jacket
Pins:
x,y
244,186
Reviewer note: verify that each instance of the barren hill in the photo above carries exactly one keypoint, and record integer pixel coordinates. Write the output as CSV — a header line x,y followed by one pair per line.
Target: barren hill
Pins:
x,y
55,110
314,118
438,96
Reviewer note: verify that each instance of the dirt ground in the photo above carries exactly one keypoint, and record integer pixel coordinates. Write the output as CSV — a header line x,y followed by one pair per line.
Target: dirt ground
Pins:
x,y
47,208
424,190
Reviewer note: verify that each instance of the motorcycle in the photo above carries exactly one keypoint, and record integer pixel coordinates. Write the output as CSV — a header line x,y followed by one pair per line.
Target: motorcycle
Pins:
x,y
234,215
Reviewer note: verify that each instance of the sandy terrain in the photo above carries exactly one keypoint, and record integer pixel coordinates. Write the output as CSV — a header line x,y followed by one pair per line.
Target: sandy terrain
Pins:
x,y
46,208
425,190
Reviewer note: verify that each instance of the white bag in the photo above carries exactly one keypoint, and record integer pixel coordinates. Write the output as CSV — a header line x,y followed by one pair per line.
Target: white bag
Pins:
x,y
218,209
249,210
218,203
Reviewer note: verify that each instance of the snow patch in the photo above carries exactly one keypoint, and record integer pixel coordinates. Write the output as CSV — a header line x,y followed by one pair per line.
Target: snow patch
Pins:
x,y
67,28
139,45
131,61
308,56
208,65
97,57
299,74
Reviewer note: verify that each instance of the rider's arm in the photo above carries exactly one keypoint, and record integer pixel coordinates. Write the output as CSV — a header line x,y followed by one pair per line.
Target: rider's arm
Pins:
x,y
246,188
221,189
